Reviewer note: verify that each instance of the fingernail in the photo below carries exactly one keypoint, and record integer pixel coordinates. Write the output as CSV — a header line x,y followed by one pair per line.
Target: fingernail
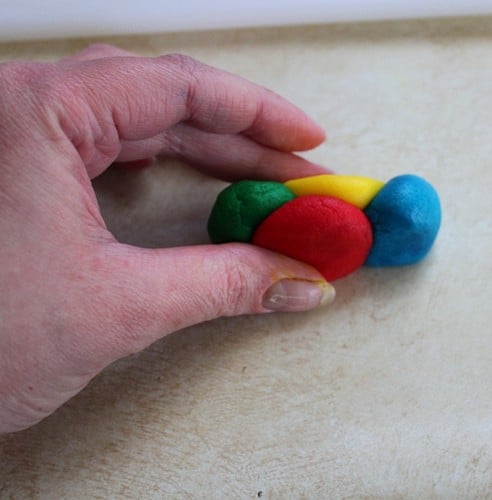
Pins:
x,y
297,295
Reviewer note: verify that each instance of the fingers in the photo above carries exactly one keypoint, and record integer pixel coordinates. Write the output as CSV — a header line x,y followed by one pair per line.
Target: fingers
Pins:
x,y
154,292
229,157
132,98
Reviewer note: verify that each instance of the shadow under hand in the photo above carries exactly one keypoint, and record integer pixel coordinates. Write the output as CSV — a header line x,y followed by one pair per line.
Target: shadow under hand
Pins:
x,y
165,205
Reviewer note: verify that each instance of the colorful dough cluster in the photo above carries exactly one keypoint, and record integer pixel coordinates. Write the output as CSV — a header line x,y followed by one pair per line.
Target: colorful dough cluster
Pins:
x,y
335,223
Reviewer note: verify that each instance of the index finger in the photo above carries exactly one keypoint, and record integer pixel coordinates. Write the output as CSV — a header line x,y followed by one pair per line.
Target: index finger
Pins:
x,y
142,97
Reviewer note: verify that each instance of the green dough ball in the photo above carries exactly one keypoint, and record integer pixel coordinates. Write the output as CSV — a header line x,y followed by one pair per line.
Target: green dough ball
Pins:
x,y
242,206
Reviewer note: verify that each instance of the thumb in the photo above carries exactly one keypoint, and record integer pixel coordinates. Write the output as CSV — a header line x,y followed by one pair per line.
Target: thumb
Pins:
x,y
164,290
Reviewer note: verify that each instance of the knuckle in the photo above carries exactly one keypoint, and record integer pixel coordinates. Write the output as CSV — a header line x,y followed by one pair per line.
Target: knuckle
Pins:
x,y
183,62
234,294
188,68
173,144
192,73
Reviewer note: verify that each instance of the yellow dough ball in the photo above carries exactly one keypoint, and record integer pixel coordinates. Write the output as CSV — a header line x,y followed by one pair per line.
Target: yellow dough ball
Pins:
x,y
353,189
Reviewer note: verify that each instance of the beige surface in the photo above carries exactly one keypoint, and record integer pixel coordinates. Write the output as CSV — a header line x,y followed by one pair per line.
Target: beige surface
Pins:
x,y
386,394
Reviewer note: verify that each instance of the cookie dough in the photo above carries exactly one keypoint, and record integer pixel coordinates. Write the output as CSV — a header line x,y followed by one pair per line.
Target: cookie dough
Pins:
x,y
330,234
242,206
335,223
405,217
354,189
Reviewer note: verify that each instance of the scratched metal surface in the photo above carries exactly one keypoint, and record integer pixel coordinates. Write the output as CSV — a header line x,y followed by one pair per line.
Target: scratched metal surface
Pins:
x,y
388,393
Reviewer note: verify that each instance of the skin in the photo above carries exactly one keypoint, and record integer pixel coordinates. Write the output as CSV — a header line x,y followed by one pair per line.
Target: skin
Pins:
x,y
73,298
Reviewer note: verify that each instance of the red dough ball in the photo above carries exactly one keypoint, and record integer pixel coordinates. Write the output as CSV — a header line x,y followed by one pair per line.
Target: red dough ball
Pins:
x,y
327,233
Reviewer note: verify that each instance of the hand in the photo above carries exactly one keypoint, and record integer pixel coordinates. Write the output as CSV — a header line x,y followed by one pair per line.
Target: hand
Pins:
x,y
72,298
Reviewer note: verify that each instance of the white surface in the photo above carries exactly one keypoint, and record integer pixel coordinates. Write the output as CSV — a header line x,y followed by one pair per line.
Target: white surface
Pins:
x,y
32,19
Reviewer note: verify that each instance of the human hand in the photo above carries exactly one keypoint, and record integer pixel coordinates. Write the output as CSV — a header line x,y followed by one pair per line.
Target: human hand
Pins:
x,y
74,299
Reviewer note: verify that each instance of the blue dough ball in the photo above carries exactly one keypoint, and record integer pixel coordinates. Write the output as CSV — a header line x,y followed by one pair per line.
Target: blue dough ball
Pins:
x,y
405,217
